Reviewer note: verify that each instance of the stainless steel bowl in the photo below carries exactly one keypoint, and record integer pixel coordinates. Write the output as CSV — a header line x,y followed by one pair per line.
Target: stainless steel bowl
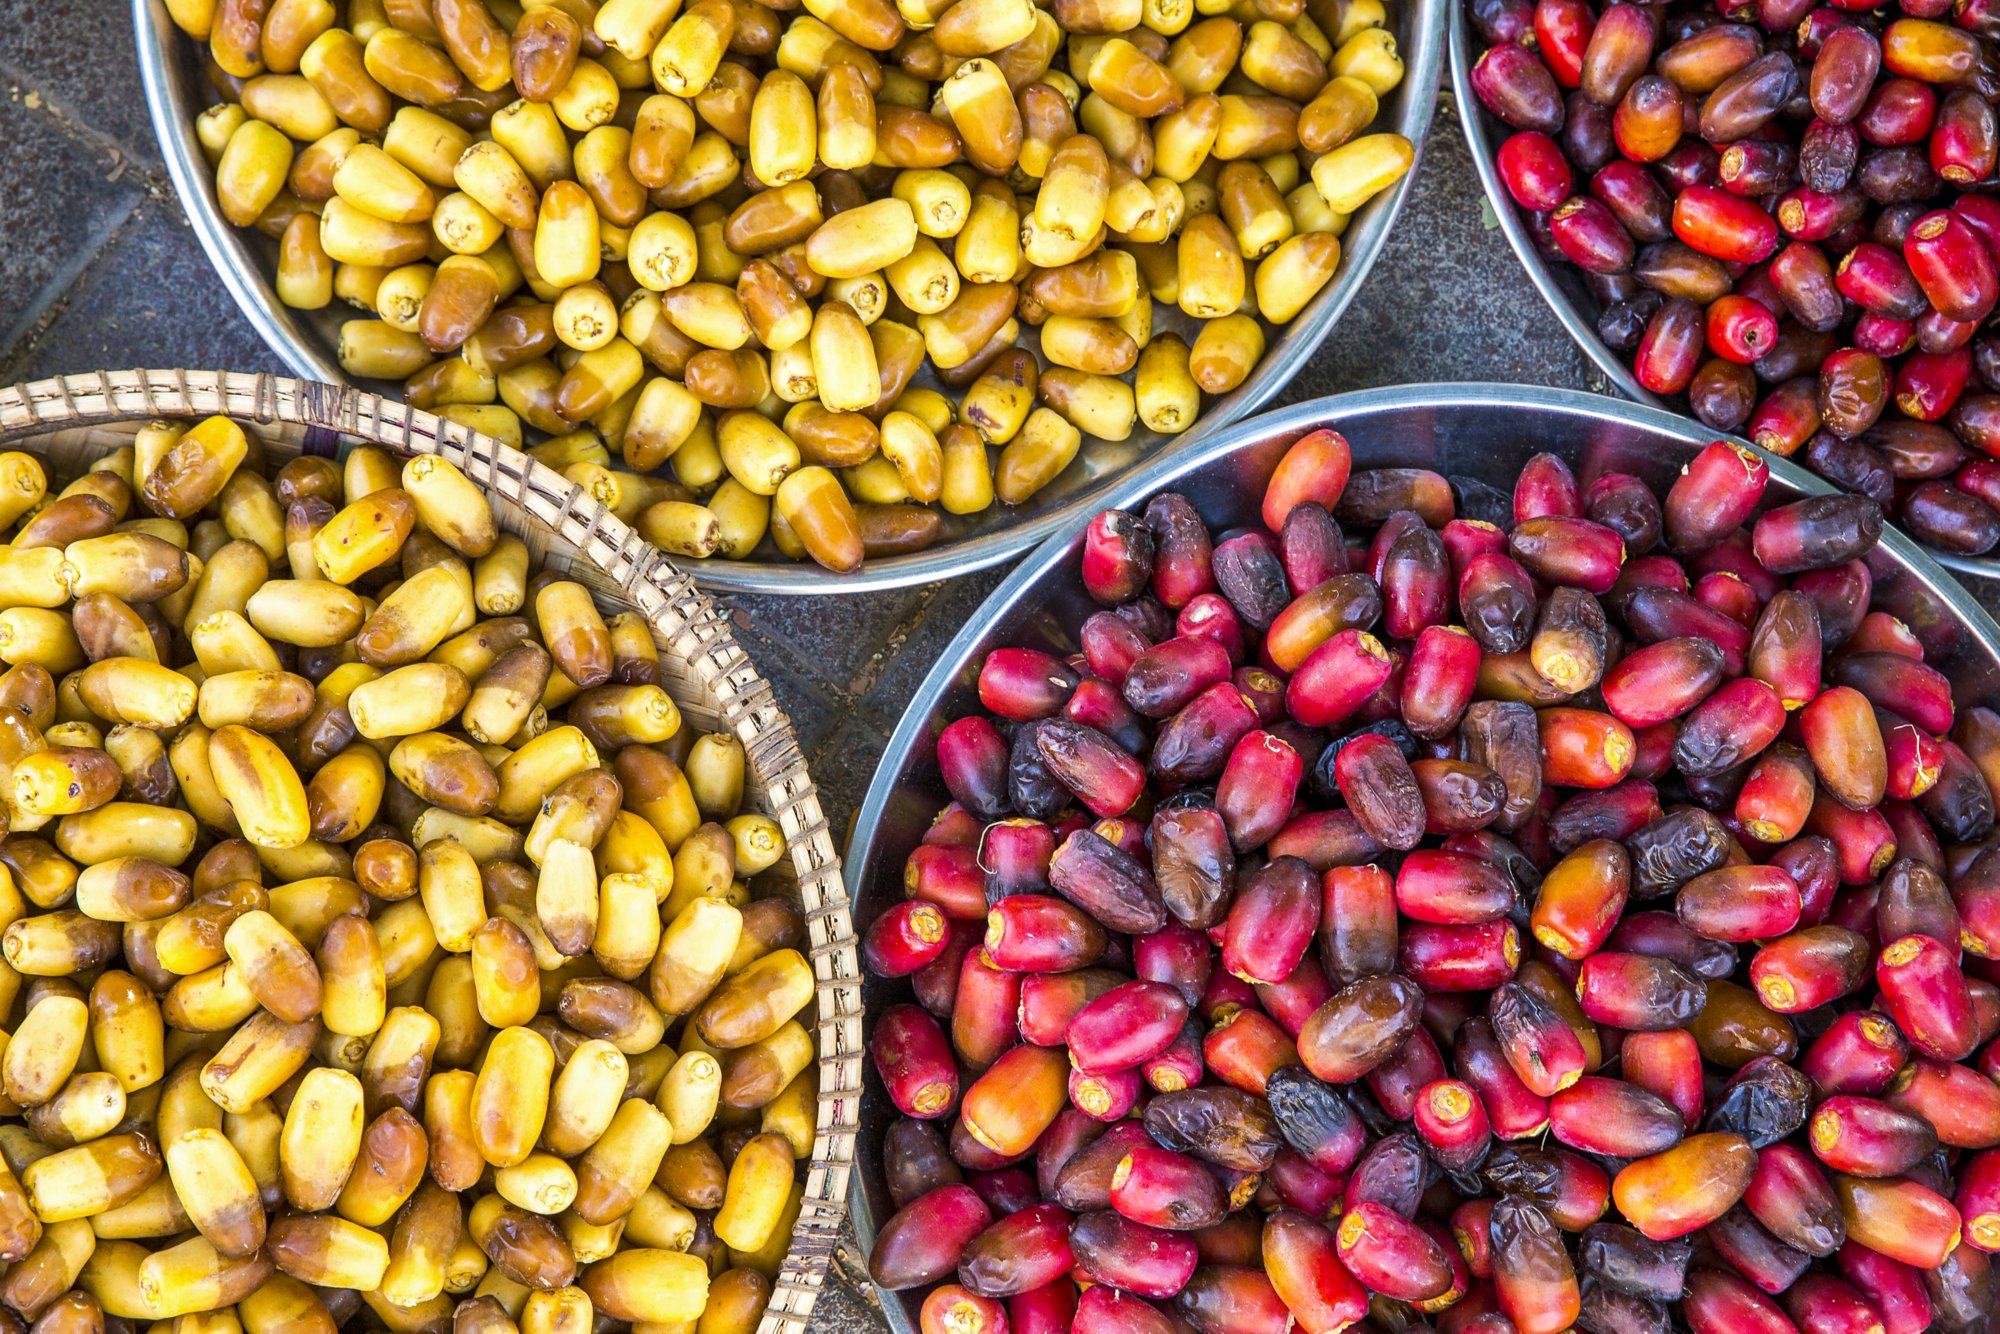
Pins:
x,y
177,90
1560,284
1482,431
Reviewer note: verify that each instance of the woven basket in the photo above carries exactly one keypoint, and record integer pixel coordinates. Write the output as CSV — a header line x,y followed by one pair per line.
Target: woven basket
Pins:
x,y
72,420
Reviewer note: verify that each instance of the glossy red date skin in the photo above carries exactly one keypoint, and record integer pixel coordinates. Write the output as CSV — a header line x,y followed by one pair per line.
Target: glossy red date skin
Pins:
x,y
1272,922
1246,1048
1925,993
904,939
1039,933
1895,1289
1740,903
948,876
1258,786
1867,1137
1952,266
1024,684
1716,492
1789,1195
1460,958
922,1242
1635,992
1213,617
1811,967
1018,1253
1671,349
1314,469
915,1060
1740,329
1146,1261
1291,1002
1731,726
1163,679
1103,1310
1300,1257
1391,1255
1718,223
1452,888
1043,1311
1166,1190
1103,776
1590,236
1128,1025
1048,1001
1518,89
1336,678
1662,681
1452,1123
1718,1301
1962,1110
1614,1118
972,757
1858,1053
1534,170
1117,557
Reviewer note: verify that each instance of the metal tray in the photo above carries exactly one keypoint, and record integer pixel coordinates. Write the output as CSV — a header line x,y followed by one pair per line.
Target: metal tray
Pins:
x,y
1482,431
177,91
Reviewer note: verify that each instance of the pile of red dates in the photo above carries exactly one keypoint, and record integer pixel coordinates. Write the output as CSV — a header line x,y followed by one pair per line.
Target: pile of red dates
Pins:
x,y
1456,912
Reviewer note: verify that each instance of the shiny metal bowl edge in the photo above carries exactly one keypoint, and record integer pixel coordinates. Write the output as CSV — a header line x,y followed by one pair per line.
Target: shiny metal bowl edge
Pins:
x,y
176,92
1562,288
1485,431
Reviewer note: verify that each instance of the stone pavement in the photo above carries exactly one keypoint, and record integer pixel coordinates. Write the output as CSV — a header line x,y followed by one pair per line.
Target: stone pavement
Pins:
x,y
98,271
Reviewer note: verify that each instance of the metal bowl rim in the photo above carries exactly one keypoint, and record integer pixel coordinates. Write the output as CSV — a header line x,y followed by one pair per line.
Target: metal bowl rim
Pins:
x,y
227,253
1472,119
1027,576
1362,246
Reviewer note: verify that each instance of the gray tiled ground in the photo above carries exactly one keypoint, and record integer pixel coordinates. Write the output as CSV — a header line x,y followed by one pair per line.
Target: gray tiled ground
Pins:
x,y
51,230
146,298
97,271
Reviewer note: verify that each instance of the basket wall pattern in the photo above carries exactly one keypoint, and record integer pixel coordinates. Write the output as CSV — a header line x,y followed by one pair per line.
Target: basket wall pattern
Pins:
x,y
72,420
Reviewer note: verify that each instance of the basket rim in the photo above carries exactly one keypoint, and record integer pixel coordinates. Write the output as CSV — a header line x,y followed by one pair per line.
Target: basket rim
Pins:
x,y
685,622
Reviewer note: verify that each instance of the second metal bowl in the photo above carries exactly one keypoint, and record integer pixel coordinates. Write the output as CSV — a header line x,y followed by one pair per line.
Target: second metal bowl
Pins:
x,y
177,91
1484,432
1560,284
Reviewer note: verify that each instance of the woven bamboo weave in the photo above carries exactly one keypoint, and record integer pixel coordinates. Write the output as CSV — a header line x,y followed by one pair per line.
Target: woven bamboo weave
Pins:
x,y
71,421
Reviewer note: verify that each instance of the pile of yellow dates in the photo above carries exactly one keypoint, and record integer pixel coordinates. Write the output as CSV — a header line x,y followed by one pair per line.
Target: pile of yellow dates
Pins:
x,y
375,935
727,237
